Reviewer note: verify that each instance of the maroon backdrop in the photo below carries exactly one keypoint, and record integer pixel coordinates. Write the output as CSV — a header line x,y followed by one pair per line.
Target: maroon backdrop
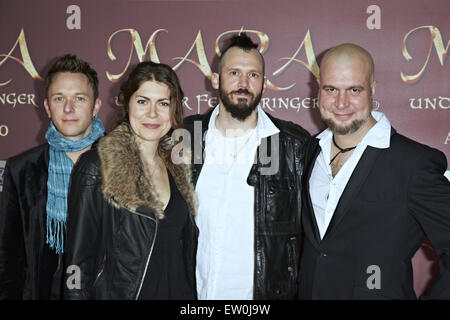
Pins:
x,y
408,40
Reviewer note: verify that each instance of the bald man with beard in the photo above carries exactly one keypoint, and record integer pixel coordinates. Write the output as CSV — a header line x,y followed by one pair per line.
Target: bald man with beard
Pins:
x,y
371,196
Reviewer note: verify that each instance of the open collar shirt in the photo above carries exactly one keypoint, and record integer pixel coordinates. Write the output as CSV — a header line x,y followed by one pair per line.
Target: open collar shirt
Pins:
x,y
225,255
325,191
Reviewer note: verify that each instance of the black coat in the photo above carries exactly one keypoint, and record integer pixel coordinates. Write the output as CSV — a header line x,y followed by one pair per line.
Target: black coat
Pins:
x,y
112,221
394,199
277,204
26,263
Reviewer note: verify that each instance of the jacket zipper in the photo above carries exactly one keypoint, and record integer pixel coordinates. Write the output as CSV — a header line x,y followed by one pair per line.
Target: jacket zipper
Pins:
x,y
259,189
149,254
101,270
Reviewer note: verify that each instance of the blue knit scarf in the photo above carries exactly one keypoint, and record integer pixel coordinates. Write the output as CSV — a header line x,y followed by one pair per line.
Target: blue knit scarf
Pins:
x,y
59,169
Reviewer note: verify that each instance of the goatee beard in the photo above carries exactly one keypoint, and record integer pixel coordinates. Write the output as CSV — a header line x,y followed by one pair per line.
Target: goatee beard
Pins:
x,y
353,127
240,110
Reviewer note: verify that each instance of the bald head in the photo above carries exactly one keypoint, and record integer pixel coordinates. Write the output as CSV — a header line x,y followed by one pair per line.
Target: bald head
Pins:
x,y
346,87
346,54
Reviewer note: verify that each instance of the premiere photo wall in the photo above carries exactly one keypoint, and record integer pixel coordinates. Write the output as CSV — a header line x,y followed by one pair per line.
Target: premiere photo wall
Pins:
x,y
409,41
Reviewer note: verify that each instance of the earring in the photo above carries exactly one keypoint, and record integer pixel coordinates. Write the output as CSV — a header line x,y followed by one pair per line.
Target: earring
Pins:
x,y
375,105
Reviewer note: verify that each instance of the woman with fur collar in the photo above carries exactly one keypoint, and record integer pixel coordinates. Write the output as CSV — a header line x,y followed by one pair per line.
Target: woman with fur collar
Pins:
x,y
131,232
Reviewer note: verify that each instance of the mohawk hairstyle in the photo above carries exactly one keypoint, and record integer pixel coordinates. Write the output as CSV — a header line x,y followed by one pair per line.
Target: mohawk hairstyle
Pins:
x,y
241,41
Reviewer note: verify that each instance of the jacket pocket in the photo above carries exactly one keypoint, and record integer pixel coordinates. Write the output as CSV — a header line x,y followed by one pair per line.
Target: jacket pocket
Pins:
x,y
279,201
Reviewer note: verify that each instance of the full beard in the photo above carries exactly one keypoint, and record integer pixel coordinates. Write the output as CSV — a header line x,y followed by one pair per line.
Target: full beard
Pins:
x,y
240,110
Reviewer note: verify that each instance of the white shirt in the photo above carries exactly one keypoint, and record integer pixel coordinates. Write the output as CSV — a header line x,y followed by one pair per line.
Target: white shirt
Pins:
x,y
325,191
225,255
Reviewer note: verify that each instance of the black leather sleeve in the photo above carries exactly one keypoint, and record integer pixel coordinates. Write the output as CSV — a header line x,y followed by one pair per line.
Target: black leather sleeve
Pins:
x,y
12,249
429,202
84,244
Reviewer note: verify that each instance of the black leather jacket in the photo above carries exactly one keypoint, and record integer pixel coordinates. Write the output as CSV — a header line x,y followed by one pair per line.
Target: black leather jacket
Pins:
x,y
112,222
277,205
27,264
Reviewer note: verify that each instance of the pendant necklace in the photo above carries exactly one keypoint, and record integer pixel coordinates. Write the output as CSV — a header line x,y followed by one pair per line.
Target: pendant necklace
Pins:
x,y
341,150
235,155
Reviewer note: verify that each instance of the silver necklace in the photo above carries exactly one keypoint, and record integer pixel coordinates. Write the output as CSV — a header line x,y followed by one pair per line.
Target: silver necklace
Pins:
x,y
235,155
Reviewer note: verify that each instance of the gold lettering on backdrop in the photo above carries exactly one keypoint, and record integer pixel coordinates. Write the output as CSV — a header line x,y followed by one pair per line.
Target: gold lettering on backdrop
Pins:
x,y
448,138
26,62
263,39
430,103
136,44
264,44
21,98
203,65
312,65
442,101
436,39
3,130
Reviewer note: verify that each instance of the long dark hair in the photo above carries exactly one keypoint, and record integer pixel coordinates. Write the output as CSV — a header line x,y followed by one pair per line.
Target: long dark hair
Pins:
x,y
150,71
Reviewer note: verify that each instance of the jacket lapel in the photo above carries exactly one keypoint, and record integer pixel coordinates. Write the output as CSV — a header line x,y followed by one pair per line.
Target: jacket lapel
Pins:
x,y
354,184
312,152
41,175
197,143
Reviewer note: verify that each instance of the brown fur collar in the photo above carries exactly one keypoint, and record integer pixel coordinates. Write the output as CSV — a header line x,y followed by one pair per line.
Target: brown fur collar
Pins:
x,y
124,181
